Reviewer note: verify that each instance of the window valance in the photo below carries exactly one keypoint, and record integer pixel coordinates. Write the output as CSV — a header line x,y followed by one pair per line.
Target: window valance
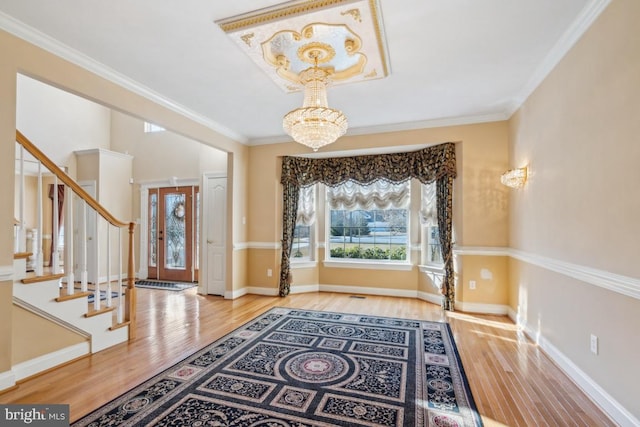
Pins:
x,y
426,165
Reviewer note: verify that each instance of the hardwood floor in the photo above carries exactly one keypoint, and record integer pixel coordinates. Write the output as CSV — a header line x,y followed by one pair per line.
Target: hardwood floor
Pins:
x,y
512,381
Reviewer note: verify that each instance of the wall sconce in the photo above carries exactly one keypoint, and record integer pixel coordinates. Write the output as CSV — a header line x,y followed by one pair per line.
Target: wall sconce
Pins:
x,y
514,178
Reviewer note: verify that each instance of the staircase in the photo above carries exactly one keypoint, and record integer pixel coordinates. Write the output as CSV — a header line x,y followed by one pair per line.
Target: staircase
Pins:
x,y
56,296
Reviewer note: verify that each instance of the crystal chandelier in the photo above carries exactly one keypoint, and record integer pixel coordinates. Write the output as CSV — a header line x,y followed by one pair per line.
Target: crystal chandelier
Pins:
x,y
315,124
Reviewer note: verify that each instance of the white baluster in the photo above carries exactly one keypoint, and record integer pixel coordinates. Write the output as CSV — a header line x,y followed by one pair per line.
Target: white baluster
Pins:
x,y
108,265
83,249
55,255
120,313
39,267
68,239
96,265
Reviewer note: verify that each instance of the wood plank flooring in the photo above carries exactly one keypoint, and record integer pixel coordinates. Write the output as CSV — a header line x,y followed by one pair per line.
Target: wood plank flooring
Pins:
x,y
513,382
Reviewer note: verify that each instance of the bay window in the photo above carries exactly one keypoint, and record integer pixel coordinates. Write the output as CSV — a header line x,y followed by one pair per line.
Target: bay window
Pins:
x,y
368,222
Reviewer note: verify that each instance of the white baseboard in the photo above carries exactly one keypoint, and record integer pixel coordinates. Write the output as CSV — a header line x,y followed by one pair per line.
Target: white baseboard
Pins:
x,y
432,298
474,307
402,293
369,291
609,405
42,363
303,289
7,380
256,290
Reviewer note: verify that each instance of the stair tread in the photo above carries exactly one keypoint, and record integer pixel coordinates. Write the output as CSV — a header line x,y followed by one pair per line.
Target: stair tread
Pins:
x,y
120,325
22,255
43,278
93,312
75,295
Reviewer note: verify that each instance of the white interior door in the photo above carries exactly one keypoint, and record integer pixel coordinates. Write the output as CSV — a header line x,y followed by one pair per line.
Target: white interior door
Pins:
x,y
91,220
215,230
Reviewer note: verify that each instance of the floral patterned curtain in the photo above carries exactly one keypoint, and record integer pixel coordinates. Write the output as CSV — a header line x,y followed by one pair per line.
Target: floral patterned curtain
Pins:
x,y
444,198
290,194
431,164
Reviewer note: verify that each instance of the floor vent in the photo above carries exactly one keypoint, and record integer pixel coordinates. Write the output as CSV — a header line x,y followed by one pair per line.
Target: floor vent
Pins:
x,y
357,296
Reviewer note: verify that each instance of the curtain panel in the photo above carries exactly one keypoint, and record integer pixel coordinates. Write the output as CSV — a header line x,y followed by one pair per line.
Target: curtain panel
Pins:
x,y
431,164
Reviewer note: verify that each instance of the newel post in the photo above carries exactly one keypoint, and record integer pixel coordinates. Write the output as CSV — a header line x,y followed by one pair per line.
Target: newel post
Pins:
x,y
130,308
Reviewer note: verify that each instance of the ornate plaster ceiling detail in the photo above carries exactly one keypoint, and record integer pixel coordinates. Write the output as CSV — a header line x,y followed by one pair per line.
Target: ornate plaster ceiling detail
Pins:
x,y
335,48
345,36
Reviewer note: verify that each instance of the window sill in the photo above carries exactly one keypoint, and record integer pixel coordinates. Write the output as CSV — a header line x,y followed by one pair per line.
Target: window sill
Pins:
x,y
378,265
434,269
303,264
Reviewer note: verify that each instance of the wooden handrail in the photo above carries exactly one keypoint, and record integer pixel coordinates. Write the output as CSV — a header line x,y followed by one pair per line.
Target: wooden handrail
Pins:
x,y
130,307
62,176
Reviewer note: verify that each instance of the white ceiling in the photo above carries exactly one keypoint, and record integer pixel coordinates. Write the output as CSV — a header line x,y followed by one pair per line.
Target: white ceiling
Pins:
x,y
451,61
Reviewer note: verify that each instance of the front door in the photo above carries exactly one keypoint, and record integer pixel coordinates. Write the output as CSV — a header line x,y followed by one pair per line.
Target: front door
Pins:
x,y
173,212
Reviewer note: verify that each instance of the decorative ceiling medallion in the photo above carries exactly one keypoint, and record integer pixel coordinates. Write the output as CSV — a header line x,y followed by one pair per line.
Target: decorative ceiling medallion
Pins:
x,y
346,37
334,48
313,52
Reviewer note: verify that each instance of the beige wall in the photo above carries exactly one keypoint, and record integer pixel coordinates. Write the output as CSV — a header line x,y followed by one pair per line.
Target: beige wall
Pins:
x,y
7,150
578,132
30,200
59,122
34,329
490,273
157,156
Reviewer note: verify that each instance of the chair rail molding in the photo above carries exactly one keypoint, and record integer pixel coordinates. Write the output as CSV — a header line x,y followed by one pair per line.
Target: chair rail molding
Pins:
x,y
625,285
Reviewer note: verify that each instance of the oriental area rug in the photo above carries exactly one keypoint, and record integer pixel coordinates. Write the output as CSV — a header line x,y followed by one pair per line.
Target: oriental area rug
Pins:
x,y
291,367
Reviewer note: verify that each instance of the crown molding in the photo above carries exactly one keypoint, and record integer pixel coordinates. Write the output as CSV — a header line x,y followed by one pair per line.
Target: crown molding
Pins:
x,y
51,45
588,15
398,127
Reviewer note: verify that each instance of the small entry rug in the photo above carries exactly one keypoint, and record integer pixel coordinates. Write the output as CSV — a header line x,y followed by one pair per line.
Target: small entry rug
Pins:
x,y
103,296
168,286
292,367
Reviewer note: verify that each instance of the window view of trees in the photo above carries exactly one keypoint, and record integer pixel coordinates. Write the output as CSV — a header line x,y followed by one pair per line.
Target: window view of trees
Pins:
x,y
301,242
369,234
434,250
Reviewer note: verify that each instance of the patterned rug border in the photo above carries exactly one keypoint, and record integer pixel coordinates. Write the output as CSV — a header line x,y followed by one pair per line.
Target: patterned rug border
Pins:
x,y
89,418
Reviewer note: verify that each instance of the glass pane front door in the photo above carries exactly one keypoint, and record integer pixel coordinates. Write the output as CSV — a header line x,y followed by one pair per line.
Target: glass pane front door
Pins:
x,y
171,233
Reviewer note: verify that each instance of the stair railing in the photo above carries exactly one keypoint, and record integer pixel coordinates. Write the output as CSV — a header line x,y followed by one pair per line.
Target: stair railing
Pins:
x,y
126,298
